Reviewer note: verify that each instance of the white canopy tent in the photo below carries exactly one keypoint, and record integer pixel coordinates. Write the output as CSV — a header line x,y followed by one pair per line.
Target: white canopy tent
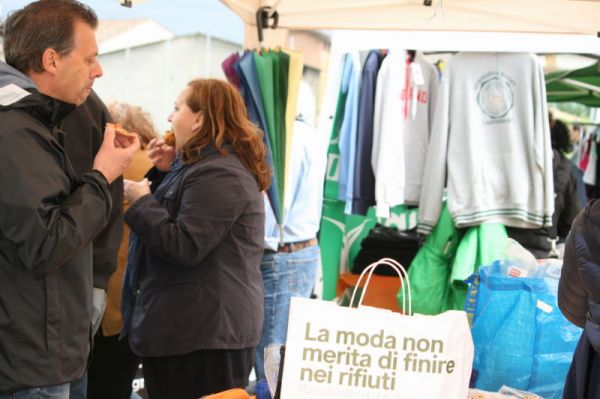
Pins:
x,y
541,26
533,16
344,40
568,26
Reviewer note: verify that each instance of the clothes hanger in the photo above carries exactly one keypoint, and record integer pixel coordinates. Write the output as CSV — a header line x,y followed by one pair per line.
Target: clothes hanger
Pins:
x,y
266,17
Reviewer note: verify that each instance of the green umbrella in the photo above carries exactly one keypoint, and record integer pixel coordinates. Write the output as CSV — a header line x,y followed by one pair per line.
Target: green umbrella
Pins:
x,y
250,89
281,65
580,85
272,69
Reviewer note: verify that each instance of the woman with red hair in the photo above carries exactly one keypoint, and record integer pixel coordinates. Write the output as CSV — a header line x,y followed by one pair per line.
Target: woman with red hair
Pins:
x,y
193,297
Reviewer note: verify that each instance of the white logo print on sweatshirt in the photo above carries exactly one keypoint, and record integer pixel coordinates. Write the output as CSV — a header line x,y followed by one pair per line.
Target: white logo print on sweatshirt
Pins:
x,y
495,96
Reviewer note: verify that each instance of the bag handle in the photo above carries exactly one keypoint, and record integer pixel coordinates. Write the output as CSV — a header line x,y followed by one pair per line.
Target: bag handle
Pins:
x,y
402,274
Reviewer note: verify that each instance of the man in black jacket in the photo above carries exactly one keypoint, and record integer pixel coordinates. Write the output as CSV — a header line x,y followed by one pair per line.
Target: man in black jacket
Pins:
x,y
49,215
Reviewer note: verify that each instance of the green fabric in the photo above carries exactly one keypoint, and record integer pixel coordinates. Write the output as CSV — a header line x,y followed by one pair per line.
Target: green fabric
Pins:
x,y
267,83
331,232
346,296
331,235
429,271
272,68
281,64
446,260
580,85
340,235
281,92
331,188
264,70
480,246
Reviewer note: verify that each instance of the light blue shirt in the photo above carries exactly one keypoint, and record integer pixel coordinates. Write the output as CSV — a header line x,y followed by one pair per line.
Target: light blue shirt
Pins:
x,y
349,128
304,190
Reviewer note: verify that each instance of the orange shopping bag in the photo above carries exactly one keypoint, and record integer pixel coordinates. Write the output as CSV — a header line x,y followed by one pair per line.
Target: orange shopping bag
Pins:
x,y
381,293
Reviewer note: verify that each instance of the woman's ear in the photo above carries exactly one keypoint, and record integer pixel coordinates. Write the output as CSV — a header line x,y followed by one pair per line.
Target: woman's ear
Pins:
x,y
198,122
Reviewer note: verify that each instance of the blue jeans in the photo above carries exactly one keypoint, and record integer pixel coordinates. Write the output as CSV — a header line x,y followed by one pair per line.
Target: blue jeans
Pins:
x,y
284,274
79,387
52,392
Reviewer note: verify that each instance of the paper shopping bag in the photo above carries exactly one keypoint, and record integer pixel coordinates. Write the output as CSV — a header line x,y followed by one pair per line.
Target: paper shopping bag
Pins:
x,y
339,352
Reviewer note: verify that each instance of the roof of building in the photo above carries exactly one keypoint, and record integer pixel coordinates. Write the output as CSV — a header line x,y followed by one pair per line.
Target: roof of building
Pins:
x,y
114,35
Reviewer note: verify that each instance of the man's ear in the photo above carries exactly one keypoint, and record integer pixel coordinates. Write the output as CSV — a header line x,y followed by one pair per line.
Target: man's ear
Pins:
x,y
49,60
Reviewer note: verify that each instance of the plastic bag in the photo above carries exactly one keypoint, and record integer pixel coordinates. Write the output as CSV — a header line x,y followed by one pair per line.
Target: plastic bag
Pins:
x,y
504,393
516,394
521,337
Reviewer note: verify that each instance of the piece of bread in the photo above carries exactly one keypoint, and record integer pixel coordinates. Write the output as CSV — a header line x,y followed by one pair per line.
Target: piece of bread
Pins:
x,y
122,132
169,138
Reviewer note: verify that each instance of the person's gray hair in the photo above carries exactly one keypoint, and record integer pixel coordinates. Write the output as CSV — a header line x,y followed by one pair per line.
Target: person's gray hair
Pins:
x,y
40,25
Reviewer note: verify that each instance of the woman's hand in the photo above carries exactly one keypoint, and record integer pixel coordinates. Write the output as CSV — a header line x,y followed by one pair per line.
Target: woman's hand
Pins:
x,y
162,155
134,190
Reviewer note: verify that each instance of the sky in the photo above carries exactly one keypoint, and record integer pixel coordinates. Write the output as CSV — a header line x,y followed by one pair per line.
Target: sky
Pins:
x,y
179,16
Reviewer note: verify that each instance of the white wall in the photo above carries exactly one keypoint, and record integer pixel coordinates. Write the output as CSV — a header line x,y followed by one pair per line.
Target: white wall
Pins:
x,y
151,76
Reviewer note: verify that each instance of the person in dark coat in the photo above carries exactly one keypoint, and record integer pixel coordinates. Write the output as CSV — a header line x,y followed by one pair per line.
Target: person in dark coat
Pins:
x,y
192,297
567,202
579,301
84,132
114,364
49,214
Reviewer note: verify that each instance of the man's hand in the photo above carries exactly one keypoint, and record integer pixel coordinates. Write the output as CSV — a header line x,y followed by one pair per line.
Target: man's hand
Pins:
x,y
134,190
162,155
115,154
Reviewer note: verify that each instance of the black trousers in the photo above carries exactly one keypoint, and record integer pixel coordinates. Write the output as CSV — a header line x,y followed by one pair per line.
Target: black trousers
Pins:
x,y
113,368
197,374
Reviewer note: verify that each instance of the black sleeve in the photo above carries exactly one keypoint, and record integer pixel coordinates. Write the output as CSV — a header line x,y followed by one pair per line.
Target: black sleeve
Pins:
x,y
572,295
106,244
47,227
84,129
210,204
572,206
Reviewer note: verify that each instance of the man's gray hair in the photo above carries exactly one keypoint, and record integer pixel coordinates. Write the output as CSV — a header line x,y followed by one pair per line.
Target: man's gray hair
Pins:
x,y
40,25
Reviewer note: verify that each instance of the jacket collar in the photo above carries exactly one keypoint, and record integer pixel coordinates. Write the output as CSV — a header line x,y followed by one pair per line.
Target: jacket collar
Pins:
x,y
51,111
208,151
20,92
